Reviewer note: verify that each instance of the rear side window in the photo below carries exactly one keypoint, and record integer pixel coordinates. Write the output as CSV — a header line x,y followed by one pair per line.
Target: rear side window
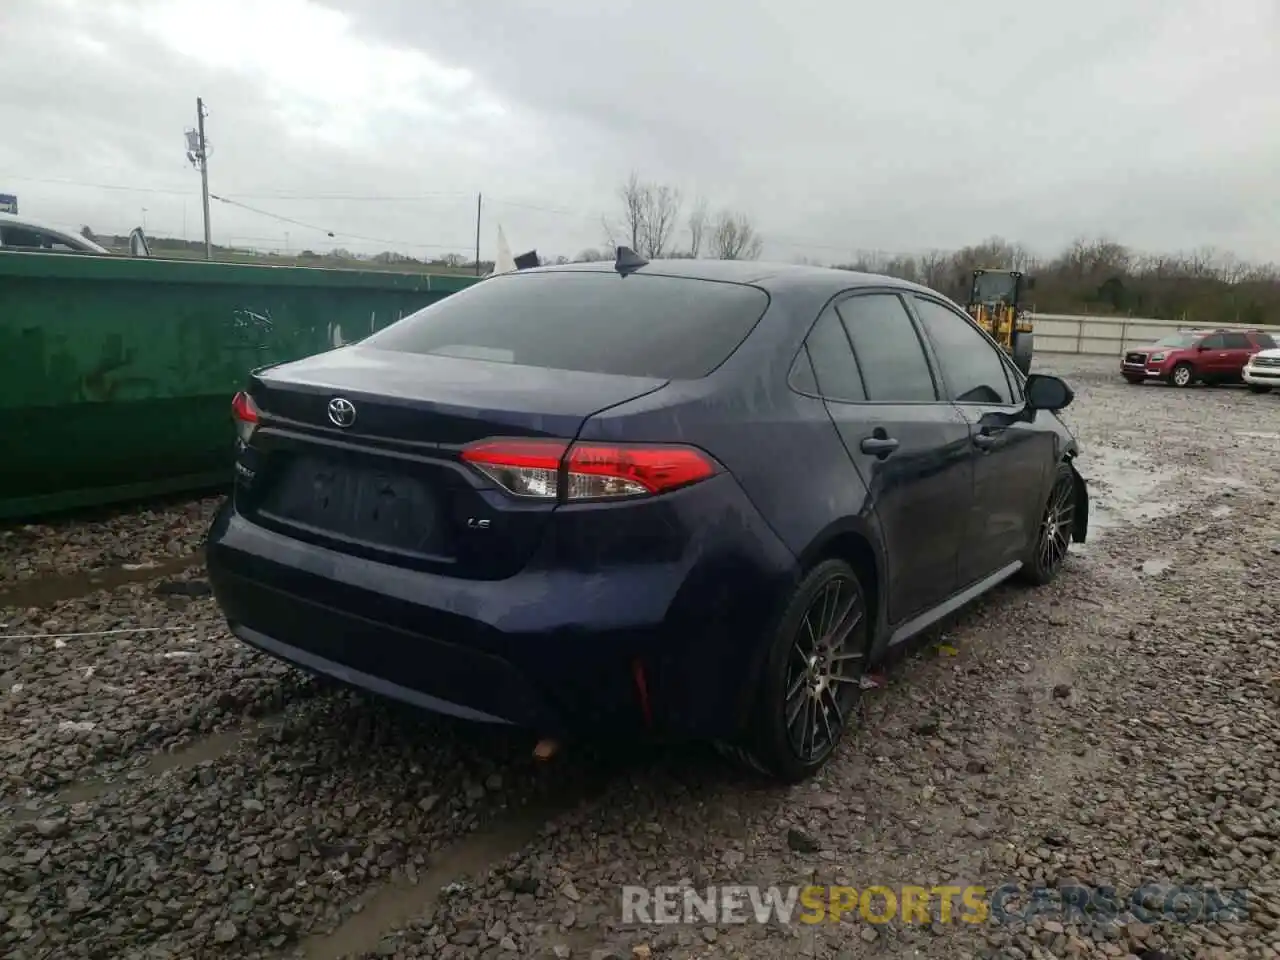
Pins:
x,y
640,326
1236,341
1265,341
888,349
833,363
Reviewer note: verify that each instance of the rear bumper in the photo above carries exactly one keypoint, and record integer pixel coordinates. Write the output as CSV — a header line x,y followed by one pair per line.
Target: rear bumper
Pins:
x,y
553,649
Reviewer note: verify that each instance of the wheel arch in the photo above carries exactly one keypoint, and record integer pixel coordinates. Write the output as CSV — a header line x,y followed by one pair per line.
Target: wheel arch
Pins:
x,y
853,541
857,542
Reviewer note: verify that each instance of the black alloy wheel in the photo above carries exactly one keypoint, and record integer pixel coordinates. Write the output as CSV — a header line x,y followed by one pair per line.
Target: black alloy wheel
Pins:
x,y
812,683
1053,539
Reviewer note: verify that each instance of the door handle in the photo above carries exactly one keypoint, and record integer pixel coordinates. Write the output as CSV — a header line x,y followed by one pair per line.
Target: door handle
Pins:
x,y
879,446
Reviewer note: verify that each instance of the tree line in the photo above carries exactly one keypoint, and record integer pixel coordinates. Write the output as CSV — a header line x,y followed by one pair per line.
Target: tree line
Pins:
x,y
1098,276
1204,287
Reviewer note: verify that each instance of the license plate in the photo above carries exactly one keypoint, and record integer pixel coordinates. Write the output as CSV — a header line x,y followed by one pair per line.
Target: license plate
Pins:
x,y
373,506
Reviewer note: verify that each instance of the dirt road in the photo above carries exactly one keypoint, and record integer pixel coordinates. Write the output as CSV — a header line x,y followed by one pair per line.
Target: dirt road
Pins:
x,y
165,792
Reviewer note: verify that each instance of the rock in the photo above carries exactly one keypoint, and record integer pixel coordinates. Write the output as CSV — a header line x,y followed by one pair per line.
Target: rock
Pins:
x,y
801,842
225,932
52,828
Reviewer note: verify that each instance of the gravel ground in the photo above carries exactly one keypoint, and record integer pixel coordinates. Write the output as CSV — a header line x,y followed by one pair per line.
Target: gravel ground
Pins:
x,y
171,794
76,545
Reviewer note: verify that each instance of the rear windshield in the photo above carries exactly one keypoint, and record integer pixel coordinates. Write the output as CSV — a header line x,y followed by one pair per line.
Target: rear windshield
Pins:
x,y
640,326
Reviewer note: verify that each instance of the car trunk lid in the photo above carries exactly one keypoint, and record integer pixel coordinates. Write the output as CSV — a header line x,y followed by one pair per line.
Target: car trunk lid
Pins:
x,y
359,450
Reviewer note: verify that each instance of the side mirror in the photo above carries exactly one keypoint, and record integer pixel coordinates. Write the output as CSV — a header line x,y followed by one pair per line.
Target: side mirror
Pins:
x,y
1044,392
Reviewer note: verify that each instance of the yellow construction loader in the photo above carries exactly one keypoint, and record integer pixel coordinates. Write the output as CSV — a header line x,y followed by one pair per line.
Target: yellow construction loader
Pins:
x,y
996,305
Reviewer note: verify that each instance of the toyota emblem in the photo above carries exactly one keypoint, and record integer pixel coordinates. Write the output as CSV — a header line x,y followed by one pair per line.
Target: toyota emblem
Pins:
x,y
342,412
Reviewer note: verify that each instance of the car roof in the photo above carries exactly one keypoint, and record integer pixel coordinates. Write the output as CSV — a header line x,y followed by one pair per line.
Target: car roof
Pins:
x,y
769,276
16,220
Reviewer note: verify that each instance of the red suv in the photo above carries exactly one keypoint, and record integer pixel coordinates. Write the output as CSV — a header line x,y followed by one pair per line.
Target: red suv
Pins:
x,y
1209,356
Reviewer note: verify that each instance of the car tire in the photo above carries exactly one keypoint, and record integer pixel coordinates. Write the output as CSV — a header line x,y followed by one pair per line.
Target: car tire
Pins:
x,y
1182,375
1048,550
800,715
1259,388
1132,379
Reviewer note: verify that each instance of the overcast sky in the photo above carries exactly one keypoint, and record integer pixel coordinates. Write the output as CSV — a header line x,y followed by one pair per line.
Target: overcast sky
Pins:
x,y
837,125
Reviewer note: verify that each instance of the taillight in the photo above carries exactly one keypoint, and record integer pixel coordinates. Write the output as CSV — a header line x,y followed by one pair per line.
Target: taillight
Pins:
x,y
587,471
245,413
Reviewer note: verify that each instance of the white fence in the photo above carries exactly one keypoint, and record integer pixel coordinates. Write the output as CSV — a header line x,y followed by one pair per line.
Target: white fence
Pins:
x,y
1104,336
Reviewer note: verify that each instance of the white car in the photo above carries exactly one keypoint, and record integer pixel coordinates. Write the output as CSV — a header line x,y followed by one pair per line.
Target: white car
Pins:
x,y
1262,372
23,233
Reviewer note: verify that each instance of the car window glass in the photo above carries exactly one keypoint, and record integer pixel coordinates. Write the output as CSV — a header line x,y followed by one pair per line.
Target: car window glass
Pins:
x,y
1236,341
23,238
1213,342
1265,341
887,348
801,377
971,365
594,321
833,363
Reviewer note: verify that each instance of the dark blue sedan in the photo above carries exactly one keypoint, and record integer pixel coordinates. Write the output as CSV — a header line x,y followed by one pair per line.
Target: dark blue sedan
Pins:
x,y
672,498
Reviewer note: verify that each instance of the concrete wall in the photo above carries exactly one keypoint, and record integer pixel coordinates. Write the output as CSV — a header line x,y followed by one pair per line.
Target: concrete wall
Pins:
x,y
1103,336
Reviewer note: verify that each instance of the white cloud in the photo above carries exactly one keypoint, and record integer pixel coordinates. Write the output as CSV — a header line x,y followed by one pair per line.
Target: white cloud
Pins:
x,y
838,126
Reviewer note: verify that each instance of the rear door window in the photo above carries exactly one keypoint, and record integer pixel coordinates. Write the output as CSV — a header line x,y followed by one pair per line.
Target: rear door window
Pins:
x,y
1214,341
1236,341
889,353
672,328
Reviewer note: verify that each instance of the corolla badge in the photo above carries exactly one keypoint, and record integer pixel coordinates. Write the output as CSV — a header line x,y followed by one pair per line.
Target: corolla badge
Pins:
x,y
342,412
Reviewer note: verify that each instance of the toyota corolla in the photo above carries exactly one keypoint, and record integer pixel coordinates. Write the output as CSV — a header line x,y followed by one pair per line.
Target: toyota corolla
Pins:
x,y
666,499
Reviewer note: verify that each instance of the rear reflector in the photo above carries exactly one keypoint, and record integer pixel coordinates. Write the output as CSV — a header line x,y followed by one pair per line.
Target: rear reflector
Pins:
x,y
556,470
245,413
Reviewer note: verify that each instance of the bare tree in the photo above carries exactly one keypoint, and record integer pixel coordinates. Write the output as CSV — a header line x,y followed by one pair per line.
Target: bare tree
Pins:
x,y
734,237
650,212
699,220
635,203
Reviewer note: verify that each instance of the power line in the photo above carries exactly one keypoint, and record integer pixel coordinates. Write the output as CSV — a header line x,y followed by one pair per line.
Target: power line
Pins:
x,y
101,186
335,234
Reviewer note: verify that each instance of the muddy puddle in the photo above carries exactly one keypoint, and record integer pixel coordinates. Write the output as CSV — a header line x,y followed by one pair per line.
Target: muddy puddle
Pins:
x,y
49,588
1125,488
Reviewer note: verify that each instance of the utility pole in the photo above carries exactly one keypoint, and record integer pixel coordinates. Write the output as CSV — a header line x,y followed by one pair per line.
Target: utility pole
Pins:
x,y
479,198
204,175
